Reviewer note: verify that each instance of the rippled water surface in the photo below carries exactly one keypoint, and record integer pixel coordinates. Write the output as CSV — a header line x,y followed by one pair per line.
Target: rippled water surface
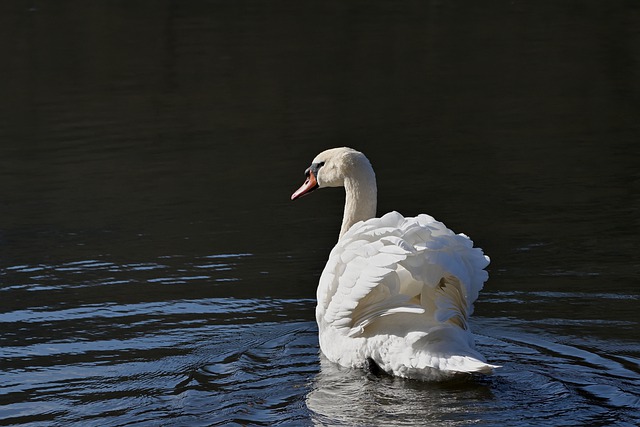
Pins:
x,y
153,270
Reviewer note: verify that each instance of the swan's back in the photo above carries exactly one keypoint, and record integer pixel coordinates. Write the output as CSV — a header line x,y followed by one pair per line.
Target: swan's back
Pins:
x,y
399,291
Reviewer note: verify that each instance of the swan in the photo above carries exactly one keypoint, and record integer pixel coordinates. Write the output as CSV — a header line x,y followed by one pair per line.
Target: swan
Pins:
x,y
396,293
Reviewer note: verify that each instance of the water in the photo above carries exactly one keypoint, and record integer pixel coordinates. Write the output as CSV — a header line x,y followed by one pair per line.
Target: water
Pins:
x,y
154,272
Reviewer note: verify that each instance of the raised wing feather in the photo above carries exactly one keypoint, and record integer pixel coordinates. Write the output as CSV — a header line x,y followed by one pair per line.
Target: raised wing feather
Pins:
x,y
392,265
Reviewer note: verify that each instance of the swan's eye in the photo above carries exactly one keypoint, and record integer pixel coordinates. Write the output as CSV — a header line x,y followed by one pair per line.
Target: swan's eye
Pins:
x,y
314,168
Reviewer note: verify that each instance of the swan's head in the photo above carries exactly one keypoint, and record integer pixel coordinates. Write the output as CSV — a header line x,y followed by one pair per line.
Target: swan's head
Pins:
x,y
330,169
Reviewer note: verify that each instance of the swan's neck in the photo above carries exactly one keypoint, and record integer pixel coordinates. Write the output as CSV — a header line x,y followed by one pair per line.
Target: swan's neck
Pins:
x,y
361,198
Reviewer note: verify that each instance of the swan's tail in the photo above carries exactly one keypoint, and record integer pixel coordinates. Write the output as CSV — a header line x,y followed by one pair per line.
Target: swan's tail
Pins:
x,y
467,364
451,350
446,367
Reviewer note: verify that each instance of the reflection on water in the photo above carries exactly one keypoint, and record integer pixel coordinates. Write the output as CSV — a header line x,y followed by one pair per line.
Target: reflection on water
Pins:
x,y
347,397
152,268
541,381
217,360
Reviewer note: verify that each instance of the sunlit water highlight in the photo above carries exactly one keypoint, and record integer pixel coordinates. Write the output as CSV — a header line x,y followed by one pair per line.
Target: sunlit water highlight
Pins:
x,y
218,360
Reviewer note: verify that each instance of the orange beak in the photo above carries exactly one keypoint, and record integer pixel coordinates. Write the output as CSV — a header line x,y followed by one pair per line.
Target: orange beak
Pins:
x,y
309,185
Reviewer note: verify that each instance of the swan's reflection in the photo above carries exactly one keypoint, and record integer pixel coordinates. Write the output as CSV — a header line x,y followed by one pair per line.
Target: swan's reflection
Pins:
x,y
341,396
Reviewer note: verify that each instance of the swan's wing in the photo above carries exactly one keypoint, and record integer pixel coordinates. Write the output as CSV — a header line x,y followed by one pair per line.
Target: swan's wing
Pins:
x,y
359,283
392,265
449,266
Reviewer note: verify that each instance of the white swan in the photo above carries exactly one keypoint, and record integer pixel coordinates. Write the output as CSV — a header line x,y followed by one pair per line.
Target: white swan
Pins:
x,y
396,292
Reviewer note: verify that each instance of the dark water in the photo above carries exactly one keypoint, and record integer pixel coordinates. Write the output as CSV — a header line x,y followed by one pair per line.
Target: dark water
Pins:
x,y
154,272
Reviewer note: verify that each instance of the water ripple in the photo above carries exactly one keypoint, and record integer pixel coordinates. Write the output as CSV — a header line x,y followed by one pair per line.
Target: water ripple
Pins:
x,y
204,358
